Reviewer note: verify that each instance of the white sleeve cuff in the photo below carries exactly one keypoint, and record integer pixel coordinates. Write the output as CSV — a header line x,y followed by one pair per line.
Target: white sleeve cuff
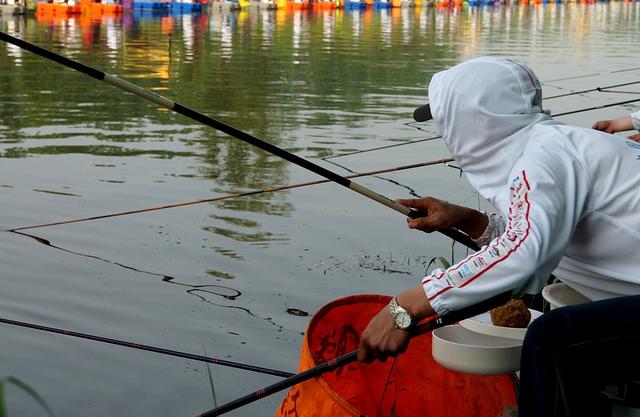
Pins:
x,y
635,120
495,228
432,287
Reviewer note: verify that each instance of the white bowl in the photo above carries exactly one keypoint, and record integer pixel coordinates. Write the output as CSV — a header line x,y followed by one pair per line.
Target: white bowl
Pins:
x,y
462,350
560,295
482,324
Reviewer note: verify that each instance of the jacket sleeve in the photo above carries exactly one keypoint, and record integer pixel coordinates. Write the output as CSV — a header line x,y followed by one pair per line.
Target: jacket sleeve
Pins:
x,y
545,203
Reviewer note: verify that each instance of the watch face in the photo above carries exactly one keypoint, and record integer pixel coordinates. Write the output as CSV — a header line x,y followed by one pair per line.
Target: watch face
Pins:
x,y
403,320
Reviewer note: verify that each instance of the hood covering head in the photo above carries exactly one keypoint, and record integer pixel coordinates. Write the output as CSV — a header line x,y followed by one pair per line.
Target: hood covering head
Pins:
x,y
486,108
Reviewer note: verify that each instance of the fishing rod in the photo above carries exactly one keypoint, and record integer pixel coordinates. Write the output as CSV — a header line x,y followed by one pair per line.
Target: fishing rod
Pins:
x,y
229,196
440,321
381,147
161,351
602,106
553,115
602,89
591,75
231,131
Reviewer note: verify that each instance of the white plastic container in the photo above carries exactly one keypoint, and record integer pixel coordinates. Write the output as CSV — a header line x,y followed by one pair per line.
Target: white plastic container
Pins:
x,y
560,295
463,350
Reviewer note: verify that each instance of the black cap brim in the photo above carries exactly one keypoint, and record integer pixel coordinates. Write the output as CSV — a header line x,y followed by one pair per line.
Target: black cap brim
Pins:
x,y
422,113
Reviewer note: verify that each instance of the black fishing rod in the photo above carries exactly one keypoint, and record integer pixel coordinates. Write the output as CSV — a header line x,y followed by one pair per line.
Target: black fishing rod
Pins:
x,y
231,131
553,115
440,321
590,75
602,89
602,106
162,351
228,196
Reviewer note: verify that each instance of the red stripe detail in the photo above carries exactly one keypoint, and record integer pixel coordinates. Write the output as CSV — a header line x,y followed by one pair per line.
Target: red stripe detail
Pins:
x,y
526,198
533,83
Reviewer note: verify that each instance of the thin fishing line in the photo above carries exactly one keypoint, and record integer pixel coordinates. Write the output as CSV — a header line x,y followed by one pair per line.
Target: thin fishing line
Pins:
x,y
411,190
232,294
162,351
192,289
228,196
326,158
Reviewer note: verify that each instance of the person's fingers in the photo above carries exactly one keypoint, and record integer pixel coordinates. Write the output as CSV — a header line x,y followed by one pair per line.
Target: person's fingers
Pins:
x,y
635,138
364,352
603,125
420,224
409,202
378,354
422,204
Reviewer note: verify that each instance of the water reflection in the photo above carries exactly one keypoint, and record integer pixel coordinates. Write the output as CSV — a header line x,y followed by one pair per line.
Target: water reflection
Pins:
x,y
315,83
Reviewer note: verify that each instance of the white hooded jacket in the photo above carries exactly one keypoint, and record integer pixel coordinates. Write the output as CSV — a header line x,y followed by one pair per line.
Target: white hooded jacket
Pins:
x,y
570,196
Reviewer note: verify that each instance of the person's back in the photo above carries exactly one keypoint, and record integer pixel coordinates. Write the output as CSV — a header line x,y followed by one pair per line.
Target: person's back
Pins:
x,y
599,178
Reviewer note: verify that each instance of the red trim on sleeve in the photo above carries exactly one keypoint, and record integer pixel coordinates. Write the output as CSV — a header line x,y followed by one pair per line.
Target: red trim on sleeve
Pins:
x,y
479,274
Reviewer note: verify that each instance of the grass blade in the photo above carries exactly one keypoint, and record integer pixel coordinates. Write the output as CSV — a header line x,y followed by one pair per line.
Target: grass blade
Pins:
x,y
32,393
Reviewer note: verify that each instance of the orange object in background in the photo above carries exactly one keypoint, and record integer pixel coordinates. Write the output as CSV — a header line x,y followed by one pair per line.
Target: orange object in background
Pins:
x,y
298,5
324,5
45,9
411,385
166,25
111,8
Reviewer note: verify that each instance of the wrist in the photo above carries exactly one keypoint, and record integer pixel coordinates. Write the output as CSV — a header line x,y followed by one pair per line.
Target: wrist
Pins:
x,y
622,124
415,302
473,223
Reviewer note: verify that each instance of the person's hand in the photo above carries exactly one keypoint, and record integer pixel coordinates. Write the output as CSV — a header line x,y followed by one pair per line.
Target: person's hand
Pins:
x,y
635,138
604,126
440,215
612,126
381,338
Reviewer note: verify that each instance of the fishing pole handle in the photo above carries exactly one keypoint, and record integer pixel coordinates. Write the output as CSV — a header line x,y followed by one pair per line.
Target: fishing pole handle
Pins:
x,y
379,198
454,234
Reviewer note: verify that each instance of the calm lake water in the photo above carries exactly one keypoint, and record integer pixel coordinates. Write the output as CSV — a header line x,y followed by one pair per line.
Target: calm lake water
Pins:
x,y
220,278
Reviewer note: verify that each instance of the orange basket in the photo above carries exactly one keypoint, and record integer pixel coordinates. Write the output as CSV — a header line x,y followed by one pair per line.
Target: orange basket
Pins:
x,y
413,384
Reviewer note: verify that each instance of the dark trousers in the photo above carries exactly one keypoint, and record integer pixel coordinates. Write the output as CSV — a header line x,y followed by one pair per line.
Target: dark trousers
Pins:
x,y
571,353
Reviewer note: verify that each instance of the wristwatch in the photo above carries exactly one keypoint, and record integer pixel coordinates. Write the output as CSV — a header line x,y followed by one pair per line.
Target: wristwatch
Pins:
x,y
401,317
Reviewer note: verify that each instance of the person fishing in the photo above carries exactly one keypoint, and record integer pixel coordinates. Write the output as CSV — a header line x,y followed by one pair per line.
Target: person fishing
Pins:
x,y
567,203
620,124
